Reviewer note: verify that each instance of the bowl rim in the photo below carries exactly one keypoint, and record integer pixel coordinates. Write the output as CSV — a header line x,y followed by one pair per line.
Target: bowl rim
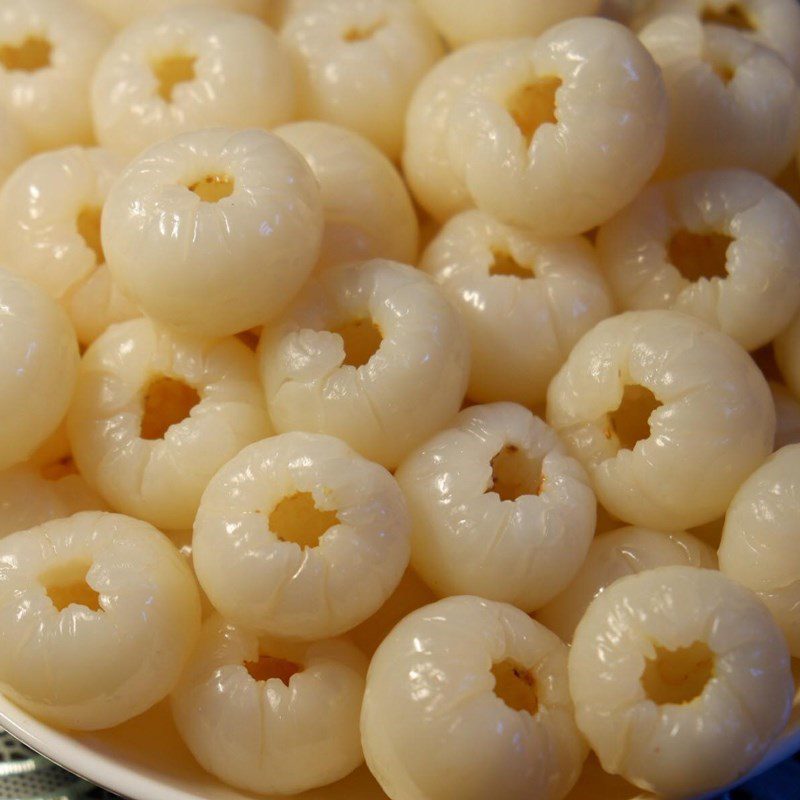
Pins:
x,y
104,771
82,760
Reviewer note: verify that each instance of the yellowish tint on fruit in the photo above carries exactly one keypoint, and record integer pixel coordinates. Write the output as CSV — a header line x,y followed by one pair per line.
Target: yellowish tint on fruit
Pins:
x,y
515,686
505,264
250,338
411,593
30,56
765,361
595,783
361,33
88,223
66,585
166,403
789,181
515,474
172,70
213,188
533,105
710,533
56,470
678,676
724,71
268,667
297,519
733,16
631,420
361,339
699,255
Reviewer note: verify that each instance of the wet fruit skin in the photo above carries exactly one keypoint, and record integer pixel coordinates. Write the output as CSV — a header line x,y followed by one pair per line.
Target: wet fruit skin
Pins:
x,y
679,748
264,726
87,668
708,404
297,576
184,69
497,474
759,541
431,705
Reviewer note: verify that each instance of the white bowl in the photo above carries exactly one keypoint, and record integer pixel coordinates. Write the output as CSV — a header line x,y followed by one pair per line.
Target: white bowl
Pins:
x,y
144,759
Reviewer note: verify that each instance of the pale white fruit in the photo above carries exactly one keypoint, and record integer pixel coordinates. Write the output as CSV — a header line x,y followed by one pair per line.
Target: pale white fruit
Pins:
x,y
322,372
719,245
760,545
121,13
31,495
300,537
668,415
560,132
498,508
48,51
358,62
411,593
436,185
435,724
773,23
787,355
680,680
526,301
473,20
50,233
271,735
98,615
213,232
14,144
718,80
190,68
150,445
367,208
613,555
38,367
787,415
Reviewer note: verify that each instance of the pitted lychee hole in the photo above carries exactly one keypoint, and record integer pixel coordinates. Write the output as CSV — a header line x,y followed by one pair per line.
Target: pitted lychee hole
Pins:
x,y
732,16
213,188
361,339
88,224
66,585
515,686
268,667
170,71
166,403
505,264
297,519
362,33
533,105
515,473
699,255
678,676
631,420
30,56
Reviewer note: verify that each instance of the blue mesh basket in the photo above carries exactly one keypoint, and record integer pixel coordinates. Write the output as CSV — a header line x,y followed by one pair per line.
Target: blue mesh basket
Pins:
x,y
25,775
